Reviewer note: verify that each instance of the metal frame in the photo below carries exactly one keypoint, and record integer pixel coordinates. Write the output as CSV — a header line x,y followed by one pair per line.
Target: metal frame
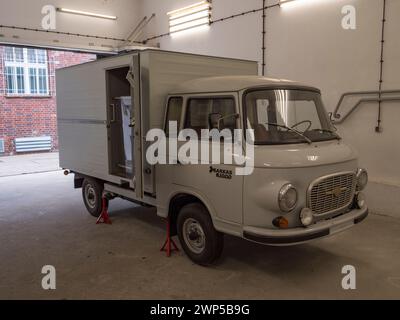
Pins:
x,y
167,111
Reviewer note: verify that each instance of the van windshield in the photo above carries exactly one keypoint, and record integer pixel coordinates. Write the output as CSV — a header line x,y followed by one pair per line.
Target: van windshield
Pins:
x,y
287,117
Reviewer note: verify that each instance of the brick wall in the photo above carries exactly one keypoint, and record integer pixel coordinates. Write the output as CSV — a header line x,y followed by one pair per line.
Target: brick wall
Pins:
x,y
33,116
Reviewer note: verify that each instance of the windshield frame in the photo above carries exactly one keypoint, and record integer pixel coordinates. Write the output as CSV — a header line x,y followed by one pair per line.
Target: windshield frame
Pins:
x,y
335,136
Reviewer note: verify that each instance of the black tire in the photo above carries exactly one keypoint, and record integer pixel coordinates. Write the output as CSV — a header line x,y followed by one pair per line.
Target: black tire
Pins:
x,y
205,249
92,191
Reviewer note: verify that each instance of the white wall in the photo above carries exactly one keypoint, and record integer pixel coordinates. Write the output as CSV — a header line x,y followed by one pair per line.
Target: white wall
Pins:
x,y
305,42
23,13
239,38
310,45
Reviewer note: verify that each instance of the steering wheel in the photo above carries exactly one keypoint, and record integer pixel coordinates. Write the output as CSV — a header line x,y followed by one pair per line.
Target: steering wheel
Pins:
x,y
305,121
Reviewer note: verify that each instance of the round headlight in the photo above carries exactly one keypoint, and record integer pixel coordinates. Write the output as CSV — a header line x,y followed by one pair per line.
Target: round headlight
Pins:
x,y
306,217
362,179
287,198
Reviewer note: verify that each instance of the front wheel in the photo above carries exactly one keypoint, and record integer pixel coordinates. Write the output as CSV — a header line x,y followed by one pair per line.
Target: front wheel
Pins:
x,y
197,235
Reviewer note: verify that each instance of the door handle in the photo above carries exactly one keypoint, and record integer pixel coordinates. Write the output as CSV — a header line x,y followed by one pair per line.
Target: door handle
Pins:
x,y
112,106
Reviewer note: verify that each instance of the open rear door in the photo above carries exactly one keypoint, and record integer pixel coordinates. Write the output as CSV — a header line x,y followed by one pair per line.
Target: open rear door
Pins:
x,y
134,79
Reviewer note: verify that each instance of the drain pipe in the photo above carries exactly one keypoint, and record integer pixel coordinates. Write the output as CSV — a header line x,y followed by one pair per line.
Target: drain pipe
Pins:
x,y
379,127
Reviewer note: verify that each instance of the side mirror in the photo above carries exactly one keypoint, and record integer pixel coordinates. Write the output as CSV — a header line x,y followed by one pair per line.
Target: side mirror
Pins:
x,y
214,120
331,117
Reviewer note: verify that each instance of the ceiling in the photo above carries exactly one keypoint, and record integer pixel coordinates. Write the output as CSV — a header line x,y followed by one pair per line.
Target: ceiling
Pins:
x,y
86,33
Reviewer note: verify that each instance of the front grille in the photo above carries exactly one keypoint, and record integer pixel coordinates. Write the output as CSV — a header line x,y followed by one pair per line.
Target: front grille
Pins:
x,y
332,193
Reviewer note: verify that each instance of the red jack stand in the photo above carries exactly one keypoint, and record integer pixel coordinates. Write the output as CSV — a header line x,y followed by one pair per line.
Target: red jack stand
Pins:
x,y
169,244
104,217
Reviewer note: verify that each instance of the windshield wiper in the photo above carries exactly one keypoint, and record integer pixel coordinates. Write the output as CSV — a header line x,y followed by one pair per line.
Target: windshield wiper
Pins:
x,y
329,131
290,129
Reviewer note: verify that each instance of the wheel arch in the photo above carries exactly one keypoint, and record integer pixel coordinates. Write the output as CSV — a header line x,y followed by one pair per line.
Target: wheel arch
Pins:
x,y
80,177
177,202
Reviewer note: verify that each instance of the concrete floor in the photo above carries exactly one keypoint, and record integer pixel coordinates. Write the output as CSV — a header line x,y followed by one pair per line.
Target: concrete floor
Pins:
x,y
28,163
43,221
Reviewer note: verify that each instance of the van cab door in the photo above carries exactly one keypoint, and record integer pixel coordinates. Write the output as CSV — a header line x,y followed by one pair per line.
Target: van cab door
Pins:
x,y
216,183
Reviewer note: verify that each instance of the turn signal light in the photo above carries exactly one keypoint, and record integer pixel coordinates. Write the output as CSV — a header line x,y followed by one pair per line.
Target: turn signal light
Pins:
x,y
281,223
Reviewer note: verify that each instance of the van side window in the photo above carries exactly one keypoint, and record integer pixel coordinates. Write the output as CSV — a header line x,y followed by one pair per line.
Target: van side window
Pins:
x,y
174,112
199,110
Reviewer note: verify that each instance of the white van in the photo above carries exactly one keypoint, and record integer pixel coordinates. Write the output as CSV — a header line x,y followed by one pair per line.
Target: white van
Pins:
x,y
305,184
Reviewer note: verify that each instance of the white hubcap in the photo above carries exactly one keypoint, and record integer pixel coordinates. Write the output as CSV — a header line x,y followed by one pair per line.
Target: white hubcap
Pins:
x,y
90,196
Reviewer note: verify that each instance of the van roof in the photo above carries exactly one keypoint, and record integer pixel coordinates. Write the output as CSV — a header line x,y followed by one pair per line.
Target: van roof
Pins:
x,y
235,83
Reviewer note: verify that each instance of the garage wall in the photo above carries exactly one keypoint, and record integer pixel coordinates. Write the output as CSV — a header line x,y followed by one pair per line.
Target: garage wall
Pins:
x,y
306,42
22,13
240,38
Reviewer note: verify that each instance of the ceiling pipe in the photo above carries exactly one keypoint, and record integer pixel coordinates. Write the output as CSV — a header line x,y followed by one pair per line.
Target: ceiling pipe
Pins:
x,y
141,29
134,31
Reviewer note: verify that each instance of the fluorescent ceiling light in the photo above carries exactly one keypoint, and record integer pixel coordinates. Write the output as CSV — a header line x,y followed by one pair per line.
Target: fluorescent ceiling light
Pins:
x,y
289,3
195,16
192,8
190,25
88,14
190,17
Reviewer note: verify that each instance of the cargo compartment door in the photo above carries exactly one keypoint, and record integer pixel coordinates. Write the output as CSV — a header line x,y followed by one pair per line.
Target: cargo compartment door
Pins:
x,y
137,130
120,139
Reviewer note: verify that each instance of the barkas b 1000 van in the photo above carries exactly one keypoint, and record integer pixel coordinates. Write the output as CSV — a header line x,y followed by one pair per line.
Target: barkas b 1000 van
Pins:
x,y
306,182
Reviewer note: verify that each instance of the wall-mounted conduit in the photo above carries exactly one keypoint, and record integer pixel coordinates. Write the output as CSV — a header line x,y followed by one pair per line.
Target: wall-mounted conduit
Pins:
x,y
264,16
394,96
378,127
62,33
380,96
244,13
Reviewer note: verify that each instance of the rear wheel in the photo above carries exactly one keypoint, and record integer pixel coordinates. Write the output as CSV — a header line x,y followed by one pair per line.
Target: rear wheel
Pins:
x,y
197,235
92,191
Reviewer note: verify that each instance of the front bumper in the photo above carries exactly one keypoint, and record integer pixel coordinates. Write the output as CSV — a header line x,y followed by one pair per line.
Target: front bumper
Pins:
x,y
299,235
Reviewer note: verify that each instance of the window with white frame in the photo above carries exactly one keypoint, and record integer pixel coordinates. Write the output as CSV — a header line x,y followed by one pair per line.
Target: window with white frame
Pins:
x,y
26,71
